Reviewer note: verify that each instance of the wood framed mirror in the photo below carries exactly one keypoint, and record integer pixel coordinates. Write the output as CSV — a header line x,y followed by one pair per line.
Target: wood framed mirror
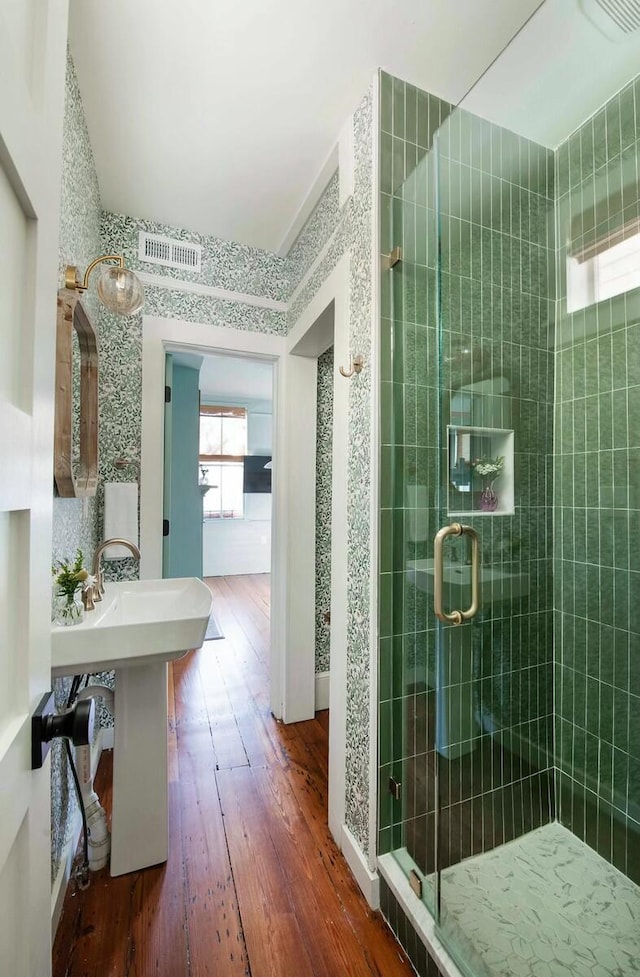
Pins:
x,y
75,447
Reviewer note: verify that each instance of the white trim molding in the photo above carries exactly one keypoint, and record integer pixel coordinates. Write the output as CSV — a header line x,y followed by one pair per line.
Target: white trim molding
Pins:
x,y
374,512
334,292
368,881
199,288
322,690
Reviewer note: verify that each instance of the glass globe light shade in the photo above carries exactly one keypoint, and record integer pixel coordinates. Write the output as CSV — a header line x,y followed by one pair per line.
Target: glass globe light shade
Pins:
x,y
120,290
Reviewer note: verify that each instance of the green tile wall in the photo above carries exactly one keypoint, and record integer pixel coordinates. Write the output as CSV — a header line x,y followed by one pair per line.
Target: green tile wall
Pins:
x,y
496,207
597,497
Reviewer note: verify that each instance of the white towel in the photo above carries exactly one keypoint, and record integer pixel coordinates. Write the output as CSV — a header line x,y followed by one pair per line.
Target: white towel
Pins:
x,y
120,516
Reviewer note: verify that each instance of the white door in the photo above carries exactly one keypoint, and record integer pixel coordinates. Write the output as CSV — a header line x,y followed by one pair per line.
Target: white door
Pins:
x,y
32,65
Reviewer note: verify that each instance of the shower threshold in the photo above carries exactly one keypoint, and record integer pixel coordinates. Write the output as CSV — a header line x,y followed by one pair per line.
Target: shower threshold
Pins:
x,y
543,905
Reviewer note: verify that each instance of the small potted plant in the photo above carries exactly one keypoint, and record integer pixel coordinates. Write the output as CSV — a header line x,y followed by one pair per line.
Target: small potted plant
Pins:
x,y
68,580
489,469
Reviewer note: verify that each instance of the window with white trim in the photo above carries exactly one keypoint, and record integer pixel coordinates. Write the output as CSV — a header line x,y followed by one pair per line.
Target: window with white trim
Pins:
x,y
223,445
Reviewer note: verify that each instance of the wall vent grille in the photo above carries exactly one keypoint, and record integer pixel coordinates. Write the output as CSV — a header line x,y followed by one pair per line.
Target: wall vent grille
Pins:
x,y
172,253
615,18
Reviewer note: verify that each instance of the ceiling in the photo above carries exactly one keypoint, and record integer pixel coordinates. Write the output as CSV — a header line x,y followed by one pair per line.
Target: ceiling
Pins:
x,y
236,379
557,72
218,117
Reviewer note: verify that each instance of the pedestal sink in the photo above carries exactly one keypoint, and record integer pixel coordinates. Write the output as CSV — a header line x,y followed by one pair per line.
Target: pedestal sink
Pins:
x,y
136,629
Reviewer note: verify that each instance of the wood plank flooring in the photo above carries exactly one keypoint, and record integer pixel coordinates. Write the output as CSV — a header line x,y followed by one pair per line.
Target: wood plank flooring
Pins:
x,y
254,885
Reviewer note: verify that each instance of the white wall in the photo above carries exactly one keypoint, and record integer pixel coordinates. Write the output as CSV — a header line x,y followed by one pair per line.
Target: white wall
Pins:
x,y
235,546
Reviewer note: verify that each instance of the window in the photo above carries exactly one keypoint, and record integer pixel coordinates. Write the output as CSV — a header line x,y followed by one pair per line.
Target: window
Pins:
x,y
223,445
605,267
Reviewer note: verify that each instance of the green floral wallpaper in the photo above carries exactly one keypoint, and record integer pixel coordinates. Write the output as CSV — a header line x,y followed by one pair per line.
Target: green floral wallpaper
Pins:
x,y
324,446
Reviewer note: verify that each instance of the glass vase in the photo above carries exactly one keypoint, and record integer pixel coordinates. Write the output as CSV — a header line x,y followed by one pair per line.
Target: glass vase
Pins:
x,y
488,499
67,610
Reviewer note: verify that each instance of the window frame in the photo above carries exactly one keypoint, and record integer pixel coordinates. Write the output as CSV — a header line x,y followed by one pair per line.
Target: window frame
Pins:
x,y
222,411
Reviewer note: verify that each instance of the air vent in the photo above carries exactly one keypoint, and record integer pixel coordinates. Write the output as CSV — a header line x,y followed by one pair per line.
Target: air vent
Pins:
x,y
172,253
616,19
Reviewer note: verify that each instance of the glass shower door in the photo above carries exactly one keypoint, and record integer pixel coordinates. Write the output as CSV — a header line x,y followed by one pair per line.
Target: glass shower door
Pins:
x,y
493,699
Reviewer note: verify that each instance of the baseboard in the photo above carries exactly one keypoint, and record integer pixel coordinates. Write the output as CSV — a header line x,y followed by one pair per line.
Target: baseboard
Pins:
x,y
108,737
322,690
367,880
104,741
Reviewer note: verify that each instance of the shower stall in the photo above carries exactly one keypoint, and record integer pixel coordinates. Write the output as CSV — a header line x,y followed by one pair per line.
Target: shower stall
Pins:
x,y
509,654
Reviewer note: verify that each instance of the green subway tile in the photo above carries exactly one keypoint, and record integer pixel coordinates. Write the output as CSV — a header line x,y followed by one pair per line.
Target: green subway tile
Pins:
x,y
385,672
612,111
423,136
386,163
386,102
398,164
621,429
386,540
621,598
411,114
621,659
398,108
619,729
619,358
633,354
628,134
385,735
633,394
599,139
606,595
386,413
386,604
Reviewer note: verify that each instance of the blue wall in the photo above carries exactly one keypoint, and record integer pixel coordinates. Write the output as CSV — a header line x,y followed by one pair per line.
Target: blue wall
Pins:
x,y
183,552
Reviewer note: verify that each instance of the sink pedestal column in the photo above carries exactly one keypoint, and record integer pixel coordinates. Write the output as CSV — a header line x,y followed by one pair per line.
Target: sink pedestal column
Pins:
x,y
139,824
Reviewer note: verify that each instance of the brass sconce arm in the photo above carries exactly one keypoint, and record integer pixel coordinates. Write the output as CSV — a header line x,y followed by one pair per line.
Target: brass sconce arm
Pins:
x,y
71,272
119,289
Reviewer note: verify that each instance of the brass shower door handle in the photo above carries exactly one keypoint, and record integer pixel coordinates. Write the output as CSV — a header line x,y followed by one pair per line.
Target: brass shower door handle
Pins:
x,y
455,617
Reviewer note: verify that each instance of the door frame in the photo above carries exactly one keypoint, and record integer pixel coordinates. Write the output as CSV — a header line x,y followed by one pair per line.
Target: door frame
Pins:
x,y
294,358
162,335
305,342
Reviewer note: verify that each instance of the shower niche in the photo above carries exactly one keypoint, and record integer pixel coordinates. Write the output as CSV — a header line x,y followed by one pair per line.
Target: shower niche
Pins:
x,y
480,471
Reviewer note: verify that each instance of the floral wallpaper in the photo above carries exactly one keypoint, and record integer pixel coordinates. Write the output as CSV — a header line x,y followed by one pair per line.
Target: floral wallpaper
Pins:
x,y
315,234
74,520
225,264
324,447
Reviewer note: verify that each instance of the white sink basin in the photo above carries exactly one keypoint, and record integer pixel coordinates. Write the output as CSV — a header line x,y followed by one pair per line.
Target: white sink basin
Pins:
x,y
136,623
495,584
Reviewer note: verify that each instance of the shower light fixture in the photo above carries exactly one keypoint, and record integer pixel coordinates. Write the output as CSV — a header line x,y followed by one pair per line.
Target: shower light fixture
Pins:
x,y
118,288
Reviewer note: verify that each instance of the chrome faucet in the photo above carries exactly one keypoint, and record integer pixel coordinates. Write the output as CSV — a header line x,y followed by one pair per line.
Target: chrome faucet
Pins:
x,y
96,591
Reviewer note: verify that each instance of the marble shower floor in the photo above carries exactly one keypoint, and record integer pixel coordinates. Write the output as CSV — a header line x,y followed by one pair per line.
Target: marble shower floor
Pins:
x,y
544,905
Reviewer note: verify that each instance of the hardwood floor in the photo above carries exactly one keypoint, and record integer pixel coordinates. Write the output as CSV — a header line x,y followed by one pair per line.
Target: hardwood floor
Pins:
x,y
254,884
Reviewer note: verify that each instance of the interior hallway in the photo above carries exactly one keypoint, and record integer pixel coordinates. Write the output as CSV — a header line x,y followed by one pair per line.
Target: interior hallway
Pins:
x,y
254,884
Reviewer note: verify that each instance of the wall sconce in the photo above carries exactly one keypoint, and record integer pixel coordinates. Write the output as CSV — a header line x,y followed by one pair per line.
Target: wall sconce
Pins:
x,y
118,288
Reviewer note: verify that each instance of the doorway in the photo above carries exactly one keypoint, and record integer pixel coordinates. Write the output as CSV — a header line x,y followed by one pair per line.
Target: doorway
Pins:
x,y
292,628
